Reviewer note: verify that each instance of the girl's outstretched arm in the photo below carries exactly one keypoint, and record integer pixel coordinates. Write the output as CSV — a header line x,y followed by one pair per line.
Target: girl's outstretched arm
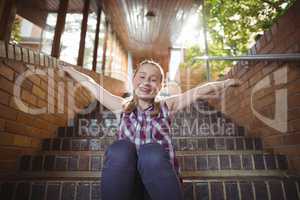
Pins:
x,y
110,101
180,101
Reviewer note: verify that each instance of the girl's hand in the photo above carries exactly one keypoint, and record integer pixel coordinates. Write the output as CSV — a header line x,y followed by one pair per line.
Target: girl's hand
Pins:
x,y
232,82
219,85
65,68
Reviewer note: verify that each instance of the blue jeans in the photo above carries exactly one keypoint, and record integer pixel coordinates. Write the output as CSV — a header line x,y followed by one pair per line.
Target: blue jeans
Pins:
x,y
146,174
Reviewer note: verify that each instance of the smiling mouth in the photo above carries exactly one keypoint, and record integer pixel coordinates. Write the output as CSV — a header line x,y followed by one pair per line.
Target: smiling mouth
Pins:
x,y
146,90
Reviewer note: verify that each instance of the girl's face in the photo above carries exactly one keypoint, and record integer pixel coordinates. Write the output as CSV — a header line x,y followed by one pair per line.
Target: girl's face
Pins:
x,y
147,81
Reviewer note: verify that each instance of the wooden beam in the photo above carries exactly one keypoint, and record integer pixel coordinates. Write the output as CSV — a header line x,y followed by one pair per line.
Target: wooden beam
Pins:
x,y
95,53
105,45
59,28
7,18
84,24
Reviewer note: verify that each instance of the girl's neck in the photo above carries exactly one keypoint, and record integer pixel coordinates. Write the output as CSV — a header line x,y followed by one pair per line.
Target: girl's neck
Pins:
x,y
144,104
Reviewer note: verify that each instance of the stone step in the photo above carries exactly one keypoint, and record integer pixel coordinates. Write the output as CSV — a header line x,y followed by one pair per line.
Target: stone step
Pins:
x,y
51,190
91,175
268,189
189,162
206,129
179,143
218,189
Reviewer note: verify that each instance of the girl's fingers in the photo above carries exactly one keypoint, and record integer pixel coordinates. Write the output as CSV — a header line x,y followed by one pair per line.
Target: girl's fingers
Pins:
x,y
67,69
232,83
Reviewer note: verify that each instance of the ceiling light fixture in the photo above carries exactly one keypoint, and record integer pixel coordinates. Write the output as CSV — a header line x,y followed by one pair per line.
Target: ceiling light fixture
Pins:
x,y
150,15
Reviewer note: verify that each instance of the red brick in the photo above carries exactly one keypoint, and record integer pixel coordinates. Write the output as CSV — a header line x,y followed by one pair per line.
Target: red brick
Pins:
x,y
294,113
9,153
7,72
14,127
6,85
275,140
8,166
42,103
291,139
27,85
38,92
290,150
25,118
293,73
294,164
293,100
294,125
16,66
41,124
4,98
269,68
2,124
35,79
28,97
19,140
294,87
8,113
264,102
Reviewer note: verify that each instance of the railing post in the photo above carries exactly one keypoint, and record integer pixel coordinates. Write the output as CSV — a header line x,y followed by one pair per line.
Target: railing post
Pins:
x,y
86,8
105,46
59,28
205,40
95,53
7,17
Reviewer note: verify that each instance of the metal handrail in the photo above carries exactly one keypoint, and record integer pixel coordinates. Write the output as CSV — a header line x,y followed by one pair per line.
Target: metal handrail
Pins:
x,y
257,57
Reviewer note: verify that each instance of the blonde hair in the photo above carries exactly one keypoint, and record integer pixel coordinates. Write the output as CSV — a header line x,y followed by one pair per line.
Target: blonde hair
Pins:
x,y
131,105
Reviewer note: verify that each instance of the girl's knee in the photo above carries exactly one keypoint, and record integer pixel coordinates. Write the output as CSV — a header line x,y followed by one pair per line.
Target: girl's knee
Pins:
x,y
152,155
121,152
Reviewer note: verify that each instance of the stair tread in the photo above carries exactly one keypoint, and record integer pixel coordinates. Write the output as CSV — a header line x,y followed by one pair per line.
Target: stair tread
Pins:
x,y
173,137
184,174
178,152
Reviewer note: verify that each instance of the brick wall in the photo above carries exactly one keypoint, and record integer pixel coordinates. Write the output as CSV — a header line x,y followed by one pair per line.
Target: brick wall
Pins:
x,y
283,37
21,132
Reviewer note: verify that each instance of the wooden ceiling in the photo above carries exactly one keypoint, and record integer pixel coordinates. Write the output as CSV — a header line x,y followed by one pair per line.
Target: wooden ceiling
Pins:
x,y
52,5
148,38
36,11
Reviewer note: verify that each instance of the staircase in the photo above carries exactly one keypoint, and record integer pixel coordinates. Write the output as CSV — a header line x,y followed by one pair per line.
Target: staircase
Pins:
x,y
221,163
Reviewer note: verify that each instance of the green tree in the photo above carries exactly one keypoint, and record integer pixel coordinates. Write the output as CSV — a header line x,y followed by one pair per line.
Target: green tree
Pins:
x,y
16,31
234,26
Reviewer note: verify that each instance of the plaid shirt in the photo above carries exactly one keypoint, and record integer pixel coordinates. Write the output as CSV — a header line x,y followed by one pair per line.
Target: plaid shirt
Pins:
x,y
140,128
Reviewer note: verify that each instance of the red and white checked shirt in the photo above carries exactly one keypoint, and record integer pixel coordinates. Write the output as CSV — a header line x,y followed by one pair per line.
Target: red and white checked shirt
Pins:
x,y
140,128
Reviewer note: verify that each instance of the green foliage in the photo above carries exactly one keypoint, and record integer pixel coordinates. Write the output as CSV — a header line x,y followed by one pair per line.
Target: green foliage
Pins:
x,y
233,26
16,31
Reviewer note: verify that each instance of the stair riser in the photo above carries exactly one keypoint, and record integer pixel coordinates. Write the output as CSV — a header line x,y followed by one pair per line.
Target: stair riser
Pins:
x,y
199,130
51,191
186,162
214,190
181,144
245,190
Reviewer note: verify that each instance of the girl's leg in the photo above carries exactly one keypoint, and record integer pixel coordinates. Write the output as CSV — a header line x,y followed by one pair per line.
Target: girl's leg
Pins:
x,y
140,190
158,174
119,171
